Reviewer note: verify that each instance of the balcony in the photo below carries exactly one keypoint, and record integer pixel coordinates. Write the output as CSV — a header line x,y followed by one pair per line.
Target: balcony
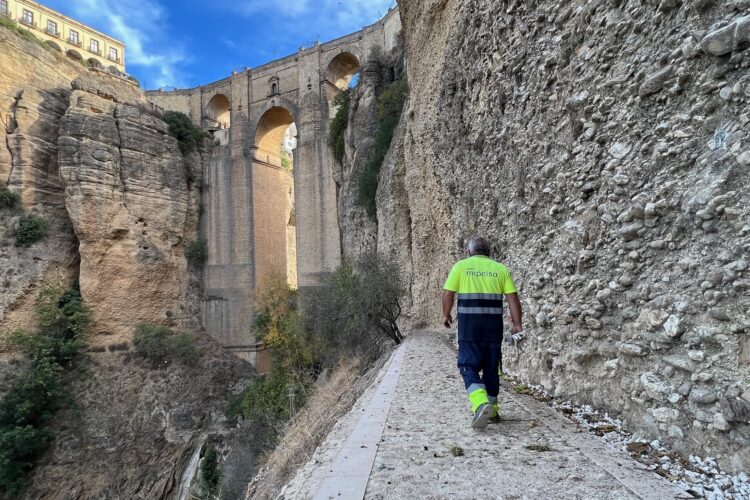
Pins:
x,y
4,11
53,32
29,23
95,51
77,43
116,60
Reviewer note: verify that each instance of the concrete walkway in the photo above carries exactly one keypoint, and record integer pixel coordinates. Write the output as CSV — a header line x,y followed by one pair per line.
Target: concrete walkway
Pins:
x,y
416,442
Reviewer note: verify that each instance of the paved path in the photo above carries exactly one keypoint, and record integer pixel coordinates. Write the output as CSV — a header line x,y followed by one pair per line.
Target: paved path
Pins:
x,y
408,454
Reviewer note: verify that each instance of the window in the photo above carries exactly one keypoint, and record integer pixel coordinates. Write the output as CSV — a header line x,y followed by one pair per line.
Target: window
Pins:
x,y
28,17
73,37
52,28
3,6
113,54
94,46
274,89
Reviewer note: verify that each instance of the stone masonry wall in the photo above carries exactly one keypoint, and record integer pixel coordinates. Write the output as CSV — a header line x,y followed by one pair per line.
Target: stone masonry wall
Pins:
x,y
602,146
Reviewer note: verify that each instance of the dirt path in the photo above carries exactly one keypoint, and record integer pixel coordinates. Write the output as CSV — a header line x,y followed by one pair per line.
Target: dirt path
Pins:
x,y
416,442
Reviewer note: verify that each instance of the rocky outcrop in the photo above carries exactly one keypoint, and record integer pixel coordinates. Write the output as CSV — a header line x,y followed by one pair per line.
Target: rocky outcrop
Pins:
x,y
134,429
602,147
129,200
34,90
358,229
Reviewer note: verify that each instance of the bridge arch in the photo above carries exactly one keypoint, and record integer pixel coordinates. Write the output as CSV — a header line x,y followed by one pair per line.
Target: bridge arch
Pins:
x,y
275,140
218,112
339,73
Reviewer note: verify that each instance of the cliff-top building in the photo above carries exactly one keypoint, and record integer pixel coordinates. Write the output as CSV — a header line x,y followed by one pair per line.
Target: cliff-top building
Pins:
x,y
67,35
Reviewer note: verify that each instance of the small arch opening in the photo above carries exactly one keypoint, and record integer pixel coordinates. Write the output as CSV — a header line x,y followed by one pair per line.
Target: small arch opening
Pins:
x,y
218,113
341,73
75,55
53,46
94,63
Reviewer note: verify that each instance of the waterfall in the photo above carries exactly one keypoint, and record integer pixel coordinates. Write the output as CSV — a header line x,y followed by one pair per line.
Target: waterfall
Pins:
x,y
189,473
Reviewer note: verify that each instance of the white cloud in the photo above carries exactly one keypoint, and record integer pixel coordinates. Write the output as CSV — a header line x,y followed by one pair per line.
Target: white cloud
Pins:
x,y
140,24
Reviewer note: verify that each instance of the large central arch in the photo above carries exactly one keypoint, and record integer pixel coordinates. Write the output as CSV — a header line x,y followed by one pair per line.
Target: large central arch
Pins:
x,y
273,208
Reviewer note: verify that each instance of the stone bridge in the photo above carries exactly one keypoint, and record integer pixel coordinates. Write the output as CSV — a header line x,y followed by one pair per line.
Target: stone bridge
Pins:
x,y
269,198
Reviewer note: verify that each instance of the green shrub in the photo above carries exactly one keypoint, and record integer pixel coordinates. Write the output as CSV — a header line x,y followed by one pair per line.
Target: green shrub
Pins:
x,y
196,253
9,199
286,160
357,307
9,23
210,470
266,399
30,229
188,136
279,324
339,124
35,396
160,344
390,105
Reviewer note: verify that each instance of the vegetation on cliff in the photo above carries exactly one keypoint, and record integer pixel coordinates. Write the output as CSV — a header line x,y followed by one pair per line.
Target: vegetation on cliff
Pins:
x,y
390,105
189,137
351,316
35,397
30,229
9,199
339,124
160,344
196,253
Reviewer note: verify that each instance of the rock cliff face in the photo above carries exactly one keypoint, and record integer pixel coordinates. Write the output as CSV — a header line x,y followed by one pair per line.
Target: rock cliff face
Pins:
x,y
128,198
88,153
34,88
603,148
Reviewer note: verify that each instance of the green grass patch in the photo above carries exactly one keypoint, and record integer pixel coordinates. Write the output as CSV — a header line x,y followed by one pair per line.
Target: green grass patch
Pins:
x,y
30,229
10,24
540,447
523,389
390,105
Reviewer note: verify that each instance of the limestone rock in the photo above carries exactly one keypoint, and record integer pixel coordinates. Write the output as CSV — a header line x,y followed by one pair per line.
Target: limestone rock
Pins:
x,y
127,197
655,387
726,39
655,82
595,167
703,396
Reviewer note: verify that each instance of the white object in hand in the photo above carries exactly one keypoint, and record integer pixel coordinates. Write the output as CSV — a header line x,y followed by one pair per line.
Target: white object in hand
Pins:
x,y
515,338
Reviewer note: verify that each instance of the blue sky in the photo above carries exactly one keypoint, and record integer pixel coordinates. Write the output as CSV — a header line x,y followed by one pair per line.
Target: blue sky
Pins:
x,y
185,43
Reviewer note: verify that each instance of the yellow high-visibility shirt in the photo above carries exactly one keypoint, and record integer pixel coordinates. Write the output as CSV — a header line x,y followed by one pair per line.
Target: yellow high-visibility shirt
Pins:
x,y
481,283
480,274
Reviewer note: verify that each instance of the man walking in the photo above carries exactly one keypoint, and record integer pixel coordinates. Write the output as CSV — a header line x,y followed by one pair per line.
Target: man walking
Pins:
x,y
481,283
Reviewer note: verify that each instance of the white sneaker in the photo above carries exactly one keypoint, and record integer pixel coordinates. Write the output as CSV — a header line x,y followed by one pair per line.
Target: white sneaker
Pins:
x,y
482,416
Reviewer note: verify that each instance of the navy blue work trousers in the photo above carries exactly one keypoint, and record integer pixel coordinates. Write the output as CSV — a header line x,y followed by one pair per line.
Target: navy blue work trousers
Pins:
x,y
476,357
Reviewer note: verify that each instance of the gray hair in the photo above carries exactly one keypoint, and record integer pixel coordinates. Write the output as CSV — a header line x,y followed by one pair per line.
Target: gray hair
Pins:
x,y
478,246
